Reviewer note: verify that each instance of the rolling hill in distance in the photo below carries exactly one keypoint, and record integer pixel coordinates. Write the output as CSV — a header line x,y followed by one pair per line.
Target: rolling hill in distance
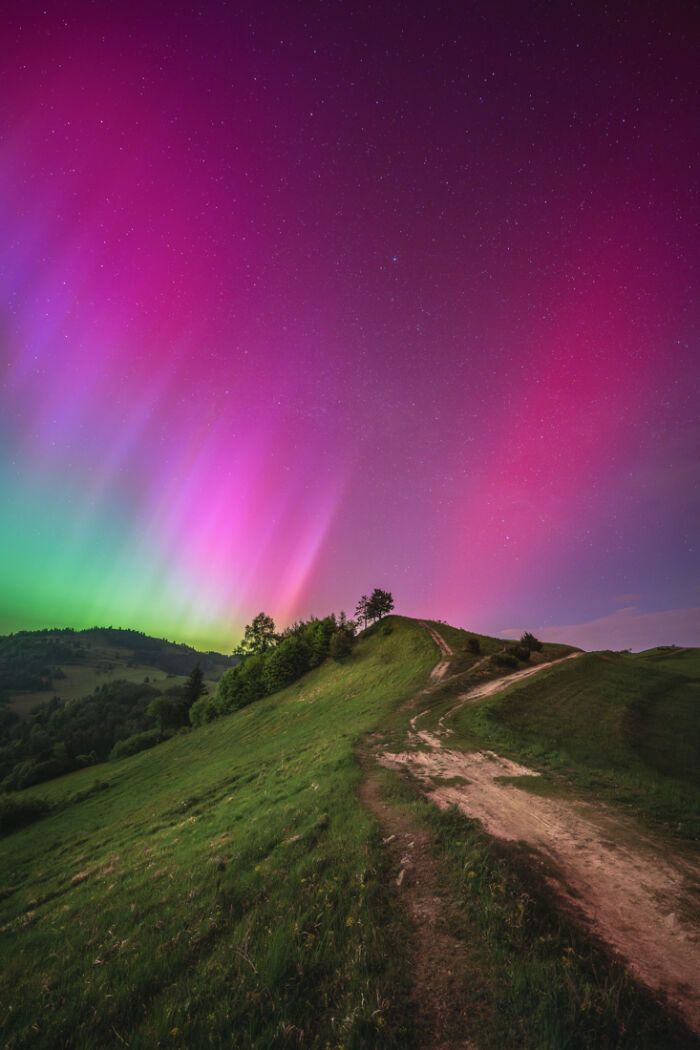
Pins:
x,y
35,665
430,836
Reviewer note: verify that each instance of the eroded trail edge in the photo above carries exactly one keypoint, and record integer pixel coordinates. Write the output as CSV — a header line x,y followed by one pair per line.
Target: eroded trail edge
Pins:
x,y
625,884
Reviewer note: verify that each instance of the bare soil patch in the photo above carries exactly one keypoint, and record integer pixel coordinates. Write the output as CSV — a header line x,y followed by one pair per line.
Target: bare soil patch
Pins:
x,y
441,668
629,889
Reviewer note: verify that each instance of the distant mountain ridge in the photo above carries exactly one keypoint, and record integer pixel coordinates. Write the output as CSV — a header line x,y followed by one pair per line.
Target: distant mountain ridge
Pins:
x,y
69,663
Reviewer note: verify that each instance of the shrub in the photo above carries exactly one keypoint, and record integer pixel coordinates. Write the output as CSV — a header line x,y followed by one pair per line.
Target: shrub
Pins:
x,y
18,811
203,710
520,652
27,774
170,710
531,643
504,660
135,743
474,645
341,645
284,664
241,685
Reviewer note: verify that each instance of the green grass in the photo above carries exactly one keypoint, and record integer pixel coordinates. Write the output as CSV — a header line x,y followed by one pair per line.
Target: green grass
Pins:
x,y
620,726
540,983
228,881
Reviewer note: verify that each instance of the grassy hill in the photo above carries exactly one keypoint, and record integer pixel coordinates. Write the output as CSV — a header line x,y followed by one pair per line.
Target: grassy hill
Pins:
x,y
37,665
228,887
232,868
621,726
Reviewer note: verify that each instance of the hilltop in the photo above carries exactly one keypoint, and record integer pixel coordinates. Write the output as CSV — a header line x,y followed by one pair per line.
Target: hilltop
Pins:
x,y
282,876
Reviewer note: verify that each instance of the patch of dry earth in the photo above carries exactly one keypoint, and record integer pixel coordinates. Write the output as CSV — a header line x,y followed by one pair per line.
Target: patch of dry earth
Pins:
x,y
630,889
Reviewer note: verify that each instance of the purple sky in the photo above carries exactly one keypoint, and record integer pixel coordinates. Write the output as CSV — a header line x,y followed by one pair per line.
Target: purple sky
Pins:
x,y
301,299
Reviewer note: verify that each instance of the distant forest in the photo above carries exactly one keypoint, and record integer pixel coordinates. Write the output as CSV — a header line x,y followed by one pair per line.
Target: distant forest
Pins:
x,y
30,661
120,718
59,734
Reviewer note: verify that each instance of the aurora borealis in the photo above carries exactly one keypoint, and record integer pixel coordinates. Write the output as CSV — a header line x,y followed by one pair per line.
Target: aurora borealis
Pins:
x,y
301,299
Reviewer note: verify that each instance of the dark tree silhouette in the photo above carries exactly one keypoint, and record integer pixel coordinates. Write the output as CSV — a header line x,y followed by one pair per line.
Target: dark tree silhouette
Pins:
x,y
341,645
380,604
194,686
362,610
259,636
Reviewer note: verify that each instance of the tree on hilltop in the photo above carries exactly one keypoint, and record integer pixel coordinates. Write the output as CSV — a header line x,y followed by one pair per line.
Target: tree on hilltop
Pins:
x,y
380,604
259,636
362,610
529,642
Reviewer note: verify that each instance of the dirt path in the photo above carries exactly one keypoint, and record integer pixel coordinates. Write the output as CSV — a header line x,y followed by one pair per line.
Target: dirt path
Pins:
x,y
497,685
439,963
631,891
441,668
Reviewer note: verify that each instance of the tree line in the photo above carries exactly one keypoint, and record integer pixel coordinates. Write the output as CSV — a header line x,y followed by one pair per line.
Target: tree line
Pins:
x,y
270,661
121,718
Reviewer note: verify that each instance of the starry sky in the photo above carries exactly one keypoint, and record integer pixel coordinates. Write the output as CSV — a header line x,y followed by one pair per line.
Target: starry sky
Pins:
x,y
299,299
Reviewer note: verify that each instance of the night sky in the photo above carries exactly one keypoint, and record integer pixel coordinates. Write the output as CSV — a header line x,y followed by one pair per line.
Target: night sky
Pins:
x,y
301,299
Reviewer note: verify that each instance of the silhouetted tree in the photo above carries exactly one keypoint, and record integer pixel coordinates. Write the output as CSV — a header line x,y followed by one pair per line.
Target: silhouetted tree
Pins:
x,y
362,610
531,643
341,644
259,636
380,604
194,686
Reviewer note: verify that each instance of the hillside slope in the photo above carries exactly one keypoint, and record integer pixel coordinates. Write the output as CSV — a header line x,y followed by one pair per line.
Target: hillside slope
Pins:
x,y
227,881
250,884
623,727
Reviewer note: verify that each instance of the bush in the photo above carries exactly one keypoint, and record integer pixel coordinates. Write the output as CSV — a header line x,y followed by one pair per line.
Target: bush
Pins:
x,y
287,662
520,652
341,645
241,685
474,646
27,774
531,643
169,710
203,710
135,743
504,660
18,811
